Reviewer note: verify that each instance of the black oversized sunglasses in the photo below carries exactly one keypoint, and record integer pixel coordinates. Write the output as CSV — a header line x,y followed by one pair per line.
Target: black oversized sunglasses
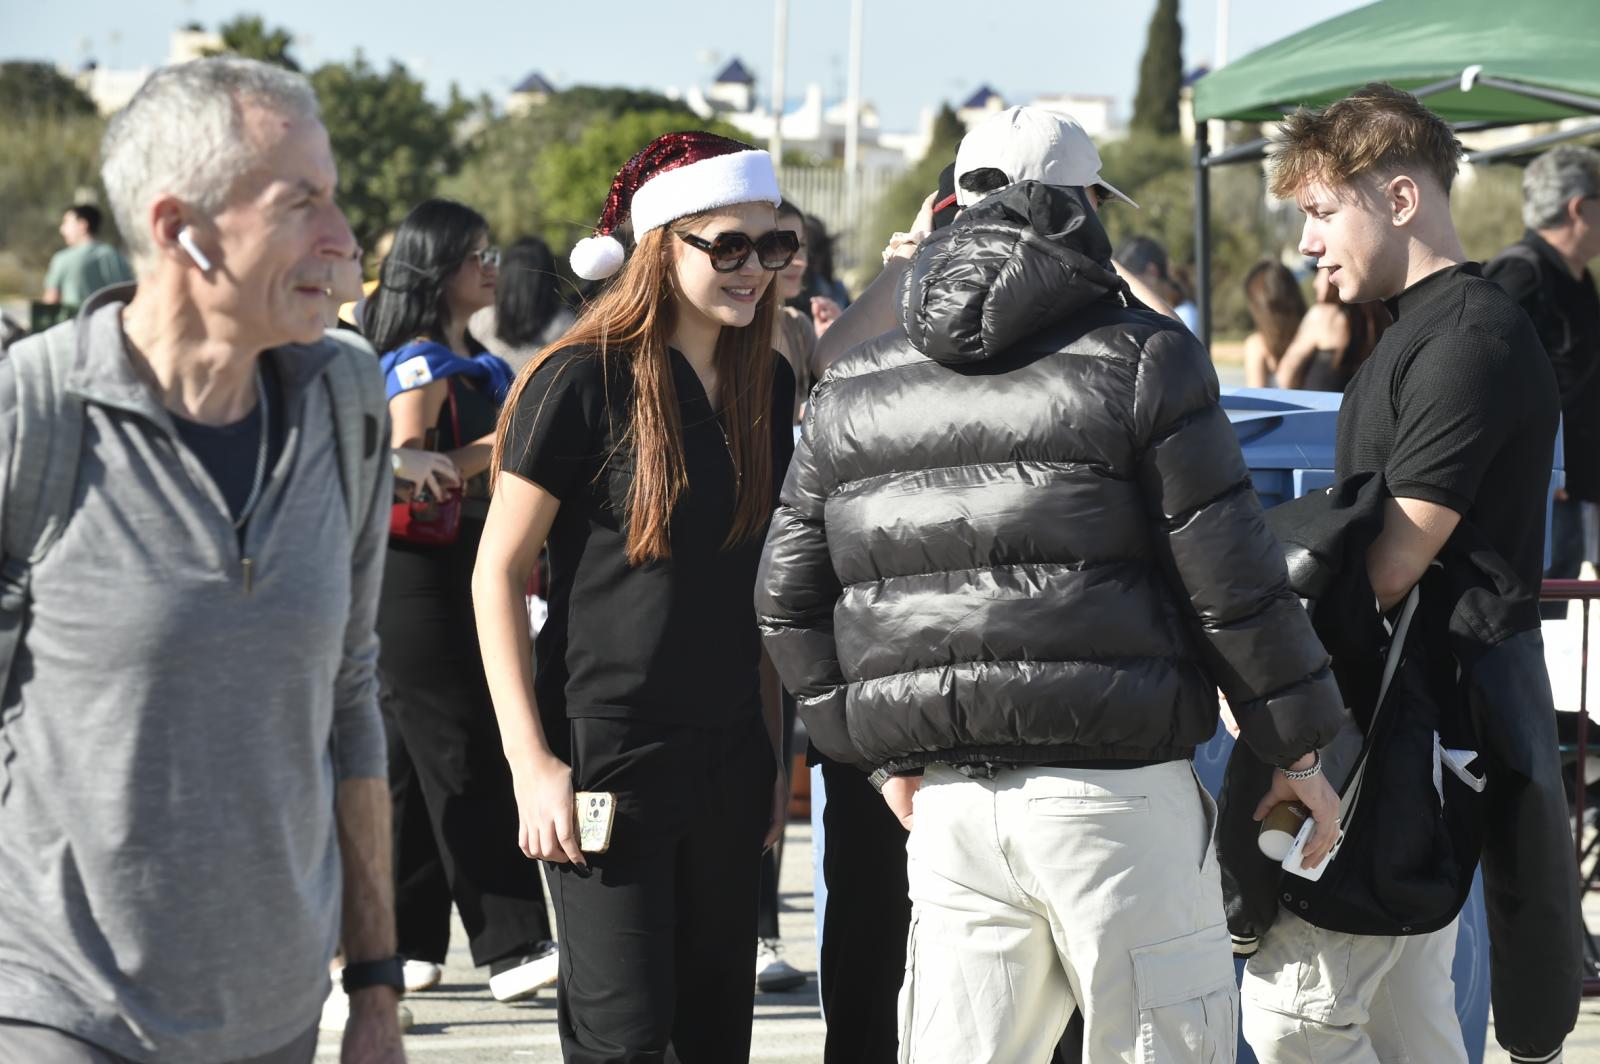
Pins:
x,y
730,251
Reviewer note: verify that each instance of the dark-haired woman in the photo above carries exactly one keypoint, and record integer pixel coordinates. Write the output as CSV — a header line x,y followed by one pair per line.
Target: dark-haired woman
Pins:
x,y
528,314
454,838
647,446
1333,340
1276,306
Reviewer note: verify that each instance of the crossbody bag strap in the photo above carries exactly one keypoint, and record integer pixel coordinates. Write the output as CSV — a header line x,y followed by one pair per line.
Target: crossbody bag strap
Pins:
x,y
1391,665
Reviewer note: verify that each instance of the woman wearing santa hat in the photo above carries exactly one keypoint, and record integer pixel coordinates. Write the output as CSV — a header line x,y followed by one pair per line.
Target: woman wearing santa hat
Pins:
x,y
646,447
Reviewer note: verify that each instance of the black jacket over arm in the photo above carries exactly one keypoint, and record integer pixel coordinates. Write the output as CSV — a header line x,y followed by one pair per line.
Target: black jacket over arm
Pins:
x,y
1486,624
1019,529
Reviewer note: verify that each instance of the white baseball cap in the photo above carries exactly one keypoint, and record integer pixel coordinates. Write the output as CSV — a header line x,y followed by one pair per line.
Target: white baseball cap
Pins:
x,y
1031,144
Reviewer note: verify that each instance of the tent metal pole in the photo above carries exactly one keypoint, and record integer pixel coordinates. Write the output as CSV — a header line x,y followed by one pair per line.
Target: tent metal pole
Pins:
x,y
1576,101
1241,153
1202,233
1440,86
1489,155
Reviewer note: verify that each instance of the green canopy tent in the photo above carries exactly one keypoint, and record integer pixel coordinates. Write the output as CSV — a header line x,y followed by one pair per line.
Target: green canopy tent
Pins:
x,y
1478,63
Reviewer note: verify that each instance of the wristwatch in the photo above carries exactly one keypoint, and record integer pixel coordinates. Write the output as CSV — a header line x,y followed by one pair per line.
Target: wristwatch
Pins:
x,y
388,971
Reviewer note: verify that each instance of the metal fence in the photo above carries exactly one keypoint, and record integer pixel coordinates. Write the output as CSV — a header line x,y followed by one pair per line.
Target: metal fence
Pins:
x,y
1588,849
823,191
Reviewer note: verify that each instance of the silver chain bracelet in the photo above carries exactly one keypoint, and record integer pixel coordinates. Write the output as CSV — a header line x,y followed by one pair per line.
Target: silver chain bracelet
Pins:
x,y
1296,775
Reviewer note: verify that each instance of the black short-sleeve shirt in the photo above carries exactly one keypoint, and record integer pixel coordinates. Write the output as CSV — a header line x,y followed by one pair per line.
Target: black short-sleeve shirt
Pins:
x,y
670,641
1457,405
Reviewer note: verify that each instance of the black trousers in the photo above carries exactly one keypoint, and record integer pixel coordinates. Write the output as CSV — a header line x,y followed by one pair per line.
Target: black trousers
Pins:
x,y
455,814
867,921
864,929
657,939
772,860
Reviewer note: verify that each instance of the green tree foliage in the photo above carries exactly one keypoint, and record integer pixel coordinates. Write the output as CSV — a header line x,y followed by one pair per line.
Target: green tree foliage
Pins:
x,y
30,90
901,202
392,144
1487,206
46,164
573,179
1158,174
505,176
250,37
1155,108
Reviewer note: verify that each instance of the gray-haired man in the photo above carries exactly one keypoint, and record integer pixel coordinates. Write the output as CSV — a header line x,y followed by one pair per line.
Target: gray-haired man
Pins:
x,y
1547,272
193,786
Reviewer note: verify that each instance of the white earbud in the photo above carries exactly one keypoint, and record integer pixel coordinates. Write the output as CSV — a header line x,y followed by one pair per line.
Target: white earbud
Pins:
x,y
186,242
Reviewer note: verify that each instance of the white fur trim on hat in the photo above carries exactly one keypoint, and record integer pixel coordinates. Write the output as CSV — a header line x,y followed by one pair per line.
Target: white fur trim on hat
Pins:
x,y
594,258
720,181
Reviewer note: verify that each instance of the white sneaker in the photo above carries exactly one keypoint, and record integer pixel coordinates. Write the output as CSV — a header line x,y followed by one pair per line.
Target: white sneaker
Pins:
x,y
422,975
336,1010
773,973
518,978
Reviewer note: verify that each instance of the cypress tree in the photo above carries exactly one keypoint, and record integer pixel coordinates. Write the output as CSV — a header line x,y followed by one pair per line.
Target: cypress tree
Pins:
x,y
1155,108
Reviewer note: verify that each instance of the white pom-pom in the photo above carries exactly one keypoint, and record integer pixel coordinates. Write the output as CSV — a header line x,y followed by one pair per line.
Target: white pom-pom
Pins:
x,y
595,258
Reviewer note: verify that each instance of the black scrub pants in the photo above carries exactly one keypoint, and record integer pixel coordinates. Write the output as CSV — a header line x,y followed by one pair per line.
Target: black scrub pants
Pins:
x,y
657,939
455,813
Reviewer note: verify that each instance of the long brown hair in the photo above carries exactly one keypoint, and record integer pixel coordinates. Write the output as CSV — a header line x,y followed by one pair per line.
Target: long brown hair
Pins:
x,y
632,319
1276,303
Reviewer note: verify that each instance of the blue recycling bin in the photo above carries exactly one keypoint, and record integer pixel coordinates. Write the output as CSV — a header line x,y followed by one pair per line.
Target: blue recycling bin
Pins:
x,y
1288,442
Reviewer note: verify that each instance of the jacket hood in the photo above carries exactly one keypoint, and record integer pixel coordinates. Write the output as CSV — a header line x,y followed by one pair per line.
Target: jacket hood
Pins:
x,y
1011,265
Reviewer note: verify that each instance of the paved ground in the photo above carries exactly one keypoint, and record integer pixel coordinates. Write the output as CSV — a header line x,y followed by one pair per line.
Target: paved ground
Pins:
x,y
459,1023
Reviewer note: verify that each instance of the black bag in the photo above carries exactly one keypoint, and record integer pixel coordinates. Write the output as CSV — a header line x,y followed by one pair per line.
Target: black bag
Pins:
x,y
1413,820
1407,859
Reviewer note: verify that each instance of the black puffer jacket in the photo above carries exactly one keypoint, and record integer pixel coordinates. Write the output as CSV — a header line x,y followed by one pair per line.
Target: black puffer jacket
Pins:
x,y
1021,530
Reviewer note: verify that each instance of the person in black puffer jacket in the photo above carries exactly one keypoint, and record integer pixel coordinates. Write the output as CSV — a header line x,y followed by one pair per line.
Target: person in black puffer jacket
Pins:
x,y
1018,550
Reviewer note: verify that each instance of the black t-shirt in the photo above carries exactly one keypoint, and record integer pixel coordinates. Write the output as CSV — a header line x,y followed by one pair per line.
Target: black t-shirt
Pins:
x,y
230,453
1566,313
1457,405
670,641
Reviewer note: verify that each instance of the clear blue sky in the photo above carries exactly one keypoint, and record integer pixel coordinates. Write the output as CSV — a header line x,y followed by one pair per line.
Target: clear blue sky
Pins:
x,y
915,53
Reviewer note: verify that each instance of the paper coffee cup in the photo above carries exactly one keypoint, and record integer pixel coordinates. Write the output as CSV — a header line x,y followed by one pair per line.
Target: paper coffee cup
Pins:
x,y
1279,828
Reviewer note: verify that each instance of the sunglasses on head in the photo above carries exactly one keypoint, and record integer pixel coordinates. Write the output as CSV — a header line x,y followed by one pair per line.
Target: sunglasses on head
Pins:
x,y
730,251
488,257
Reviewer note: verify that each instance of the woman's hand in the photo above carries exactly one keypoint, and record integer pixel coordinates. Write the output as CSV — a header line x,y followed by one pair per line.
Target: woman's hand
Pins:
x,y
824,312
428,470
547,823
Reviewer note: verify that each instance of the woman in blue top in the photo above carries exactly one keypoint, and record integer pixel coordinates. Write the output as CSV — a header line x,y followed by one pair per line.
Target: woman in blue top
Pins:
x,y
455,815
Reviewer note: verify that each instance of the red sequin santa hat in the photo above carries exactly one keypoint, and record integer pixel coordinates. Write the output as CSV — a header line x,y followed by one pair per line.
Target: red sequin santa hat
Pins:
x,y
674,175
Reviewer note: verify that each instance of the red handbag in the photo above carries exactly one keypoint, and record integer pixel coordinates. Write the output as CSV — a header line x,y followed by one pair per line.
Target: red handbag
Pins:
x,y
433,522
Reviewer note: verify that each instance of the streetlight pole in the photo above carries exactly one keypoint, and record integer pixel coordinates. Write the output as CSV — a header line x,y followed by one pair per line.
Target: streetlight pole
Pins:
x,y
1219,130
780,56
852,120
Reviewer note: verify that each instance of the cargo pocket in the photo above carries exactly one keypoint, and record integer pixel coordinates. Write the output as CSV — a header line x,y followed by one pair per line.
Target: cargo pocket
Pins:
x,y
1188,1004
906,1015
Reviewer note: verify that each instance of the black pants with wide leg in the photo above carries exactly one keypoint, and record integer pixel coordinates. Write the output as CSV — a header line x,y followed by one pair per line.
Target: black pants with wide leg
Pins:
x,y
657,939
455,814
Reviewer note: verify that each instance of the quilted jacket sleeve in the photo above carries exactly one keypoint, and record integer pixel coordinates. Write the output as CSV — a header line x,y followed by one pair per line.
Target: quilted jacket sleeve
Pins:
x,y
797,590
1220,558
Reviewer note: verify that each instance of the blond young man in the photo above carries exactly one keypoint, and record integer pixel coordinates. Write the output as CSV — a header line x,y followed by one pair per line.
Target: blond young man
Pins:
x,y
1457,407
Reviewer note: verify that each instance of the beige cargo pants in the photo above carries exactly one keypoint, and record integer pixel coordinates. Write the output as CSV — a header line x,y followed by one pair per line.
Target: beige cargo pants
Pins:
x,y
1045,890
1321,997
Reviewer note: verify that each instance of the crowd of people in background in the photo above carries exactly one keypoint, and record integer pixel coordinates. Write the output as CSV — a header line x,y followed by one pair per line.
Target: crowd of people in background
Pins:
x,y
518,584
